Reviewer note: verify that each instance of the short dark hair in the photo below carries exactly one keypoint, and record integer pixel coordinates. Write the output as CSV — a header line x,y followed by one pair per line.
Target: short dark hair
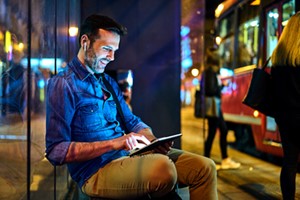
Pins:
x,y
94,22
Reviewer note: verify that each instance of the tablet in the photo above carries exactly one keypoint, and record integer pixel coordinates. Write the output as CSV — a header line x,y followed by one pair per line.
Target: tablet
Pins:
x,y
154,144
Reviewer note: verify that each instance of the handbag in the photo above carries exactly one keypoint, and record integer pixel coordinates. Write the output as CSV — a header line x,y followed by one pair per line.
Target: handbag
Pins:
x,y
206,106
212,106
260,92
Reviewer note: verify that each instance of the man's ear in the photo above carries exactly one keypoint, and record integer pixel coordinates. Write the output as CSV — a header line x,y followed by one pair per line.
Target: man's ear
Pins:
x,y
84,42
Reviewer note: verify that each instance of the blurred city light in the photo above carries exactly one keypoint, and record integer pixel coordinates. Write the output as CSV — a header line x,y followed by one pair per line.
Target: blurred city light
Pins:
x,y
8,44
218,40
47,63
255,3
225,72
73,31
273,15
130,78
255,113
184,31
21,46
195,72
219,10
195,81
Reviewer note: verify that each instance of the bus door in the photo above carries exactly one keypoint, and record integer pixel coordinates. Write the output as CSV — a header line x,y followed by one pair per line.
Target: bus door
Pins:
x,y
276,16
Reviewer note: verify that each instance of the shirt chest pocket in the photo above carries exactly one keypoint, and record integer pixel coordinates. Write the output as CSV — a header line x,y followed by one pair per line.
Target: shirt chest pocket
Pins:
x,y
110,111
90,118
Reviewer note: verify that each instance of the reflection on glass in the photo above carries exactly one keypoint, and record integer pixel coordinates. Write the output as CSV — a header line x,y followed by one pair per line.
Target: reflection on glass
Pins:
x,y
19,89
13,123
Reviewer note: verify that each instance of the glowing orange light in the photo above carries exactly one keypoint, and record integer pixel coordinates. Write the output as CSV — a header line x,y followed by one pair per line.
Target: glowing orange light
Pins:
x,y
73,31
255,113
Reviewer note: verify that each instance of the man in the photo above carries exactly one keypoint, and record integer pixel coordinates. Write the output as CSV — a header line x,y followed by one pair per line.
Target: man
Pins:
x,y
84,131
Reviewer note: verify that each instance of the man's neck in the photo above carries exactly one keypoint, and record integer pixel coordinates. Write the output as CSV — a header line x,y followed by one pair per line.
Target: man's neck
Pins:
x,y
97,75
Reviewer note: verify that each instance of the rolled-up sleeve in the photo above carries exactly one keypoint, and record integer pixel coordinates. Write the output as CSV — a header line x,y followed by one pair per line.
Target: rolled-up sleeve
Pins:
x,y
57,154
59,114
140,126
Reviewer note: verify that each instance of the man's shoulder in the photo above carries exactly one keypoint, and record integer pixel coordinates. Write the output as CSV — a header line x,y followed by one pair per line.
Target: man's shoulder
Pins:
x,y
63,76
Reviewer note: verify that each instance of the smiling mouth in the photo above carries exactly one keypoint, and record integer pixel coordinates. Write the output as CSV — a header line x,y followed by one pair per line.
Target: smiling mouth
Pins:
x,y
102,63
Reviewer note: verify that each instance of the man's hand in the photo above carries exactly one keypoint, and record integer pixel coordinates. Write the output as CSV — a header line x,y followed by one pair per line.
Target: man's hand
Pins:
x,y
131,141
165,148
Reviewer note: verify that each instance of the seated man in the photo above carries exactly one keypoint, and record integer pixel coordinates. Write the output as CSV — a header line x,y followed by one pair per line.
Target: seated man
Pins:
x,y
84,131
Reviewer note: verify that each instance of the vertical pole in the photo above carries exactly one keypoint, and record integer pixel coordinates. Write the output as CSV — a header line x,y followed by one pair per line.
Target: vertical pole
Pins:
x,y
55,72
29,27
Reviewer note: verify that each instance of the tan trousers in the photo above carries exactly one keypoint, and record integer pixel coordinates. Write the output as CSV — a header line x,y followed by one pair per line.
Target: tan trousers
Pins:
x,y
154,175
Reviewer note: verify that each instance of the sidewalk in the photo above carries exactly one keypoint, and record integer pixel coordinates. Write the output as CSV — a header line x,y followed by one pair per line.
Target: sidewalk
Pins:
x,y
255,179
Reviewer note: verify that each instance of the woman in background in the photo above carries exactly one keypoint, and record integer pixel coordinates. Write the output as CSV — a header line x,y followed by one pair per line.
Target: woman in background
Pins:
x,y
211,85
286,76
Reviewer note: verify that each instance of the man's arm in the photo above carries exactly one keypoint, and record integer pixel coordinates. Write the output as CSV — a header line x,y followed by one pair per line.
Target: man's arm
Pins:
x,y
83,151
147,132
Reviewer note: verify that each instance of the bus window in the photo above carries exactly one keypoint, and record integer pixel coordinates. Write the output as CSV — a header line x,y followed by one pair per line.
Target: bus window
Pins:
x,y
247,35
270,124
226,32
275,19
288,9
272,30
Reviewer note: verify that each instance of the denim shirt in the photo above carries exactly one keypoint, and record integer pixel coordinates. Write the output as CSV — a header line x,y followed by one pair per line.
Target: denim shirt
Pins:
x,y
77,111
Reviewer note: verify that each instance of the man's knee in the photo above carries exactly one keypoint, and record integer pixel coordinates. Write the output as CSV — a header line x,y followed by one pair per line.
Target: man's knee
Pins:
x,y
210,164
203,170
205,164
163,176
207,172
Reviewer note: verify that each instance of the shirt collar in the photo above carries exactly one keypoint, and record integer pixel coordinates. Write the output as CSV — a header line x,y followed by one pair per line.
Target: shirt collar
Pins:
x,y
80,70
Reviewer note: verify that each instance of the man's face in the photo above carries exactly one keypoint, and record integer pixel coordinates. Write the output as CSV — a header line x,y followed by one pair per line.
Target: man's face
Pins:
x,y
102,51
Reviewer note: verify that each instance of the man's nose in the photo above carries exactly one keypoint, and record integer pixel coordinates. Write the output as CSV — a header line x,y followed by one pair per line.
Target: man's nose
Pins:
x,y
111,55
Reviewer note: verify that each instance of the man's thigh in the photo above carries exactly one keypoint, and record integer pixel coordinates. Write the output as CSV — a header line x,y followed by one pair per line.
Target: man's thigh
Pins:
x,y
131,177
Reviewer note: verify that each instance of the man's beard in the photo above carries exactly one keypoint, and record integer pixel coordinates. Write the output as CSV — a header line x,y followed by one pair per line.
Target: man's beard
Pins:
x,y
91,61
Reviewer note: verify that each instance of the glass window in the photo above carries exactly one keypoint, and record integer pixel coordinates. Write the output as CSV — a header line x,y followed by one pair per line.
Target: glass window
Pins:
x,y
13,100
23,94
275,19
247,35
226,25
288,9
226,47
272,30
226,52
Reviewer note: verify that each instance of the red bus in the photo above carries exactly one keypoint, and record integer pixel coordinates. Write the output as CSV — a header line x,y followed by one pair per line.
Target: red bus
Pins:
x,y
247,31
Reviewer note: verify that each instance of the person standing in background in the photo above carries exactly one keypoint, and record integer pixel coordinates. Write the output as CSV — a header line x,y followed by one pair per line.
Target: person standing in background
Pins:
x,y
211,85
285,73
126,91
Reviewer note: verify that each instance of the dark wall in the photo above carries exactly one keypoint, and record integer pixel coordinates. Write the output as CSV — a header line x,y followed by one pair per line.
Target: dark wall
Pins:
x,y
152,50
